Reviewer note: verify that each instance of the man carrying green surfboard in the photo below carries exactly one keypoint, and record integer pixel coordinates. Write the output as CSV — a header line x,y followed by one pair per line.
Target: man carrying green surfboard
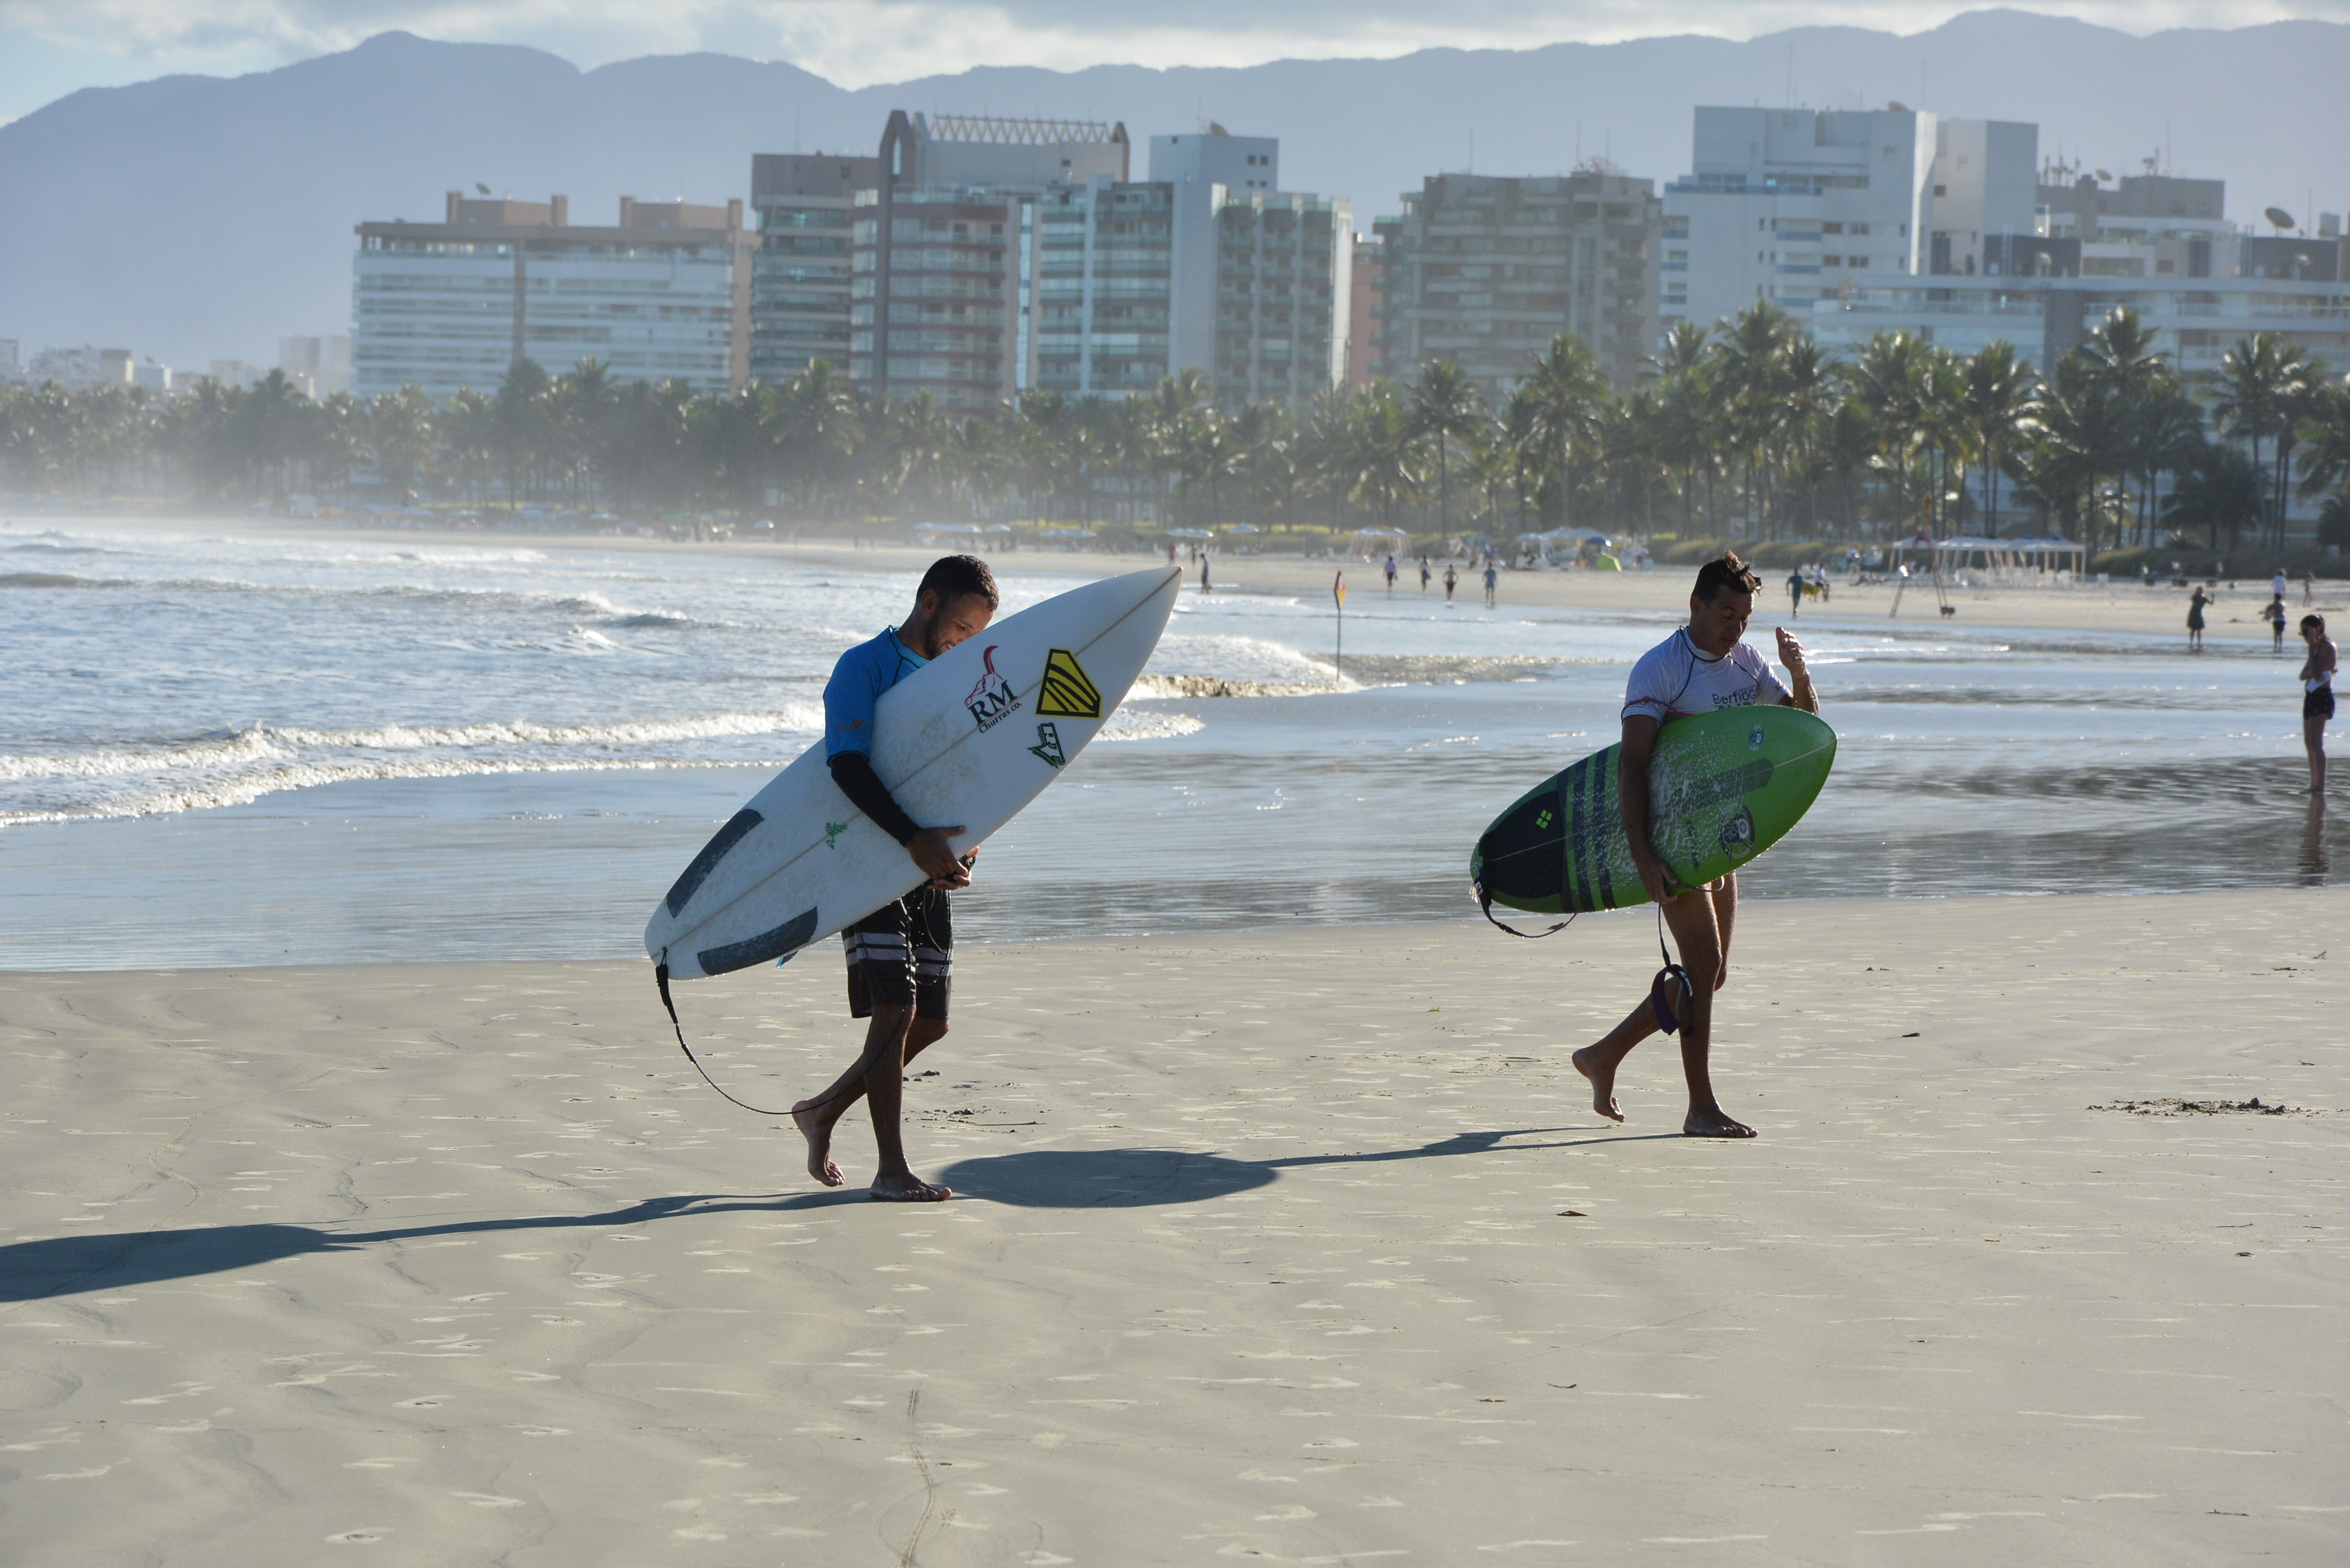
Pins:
x,y
1702,667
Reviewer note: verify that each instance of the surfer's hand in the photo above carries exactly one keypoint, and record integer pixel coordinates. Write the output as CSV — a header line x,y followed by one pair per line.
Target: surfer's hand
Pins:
x,y
1658,878
937,859
1791,652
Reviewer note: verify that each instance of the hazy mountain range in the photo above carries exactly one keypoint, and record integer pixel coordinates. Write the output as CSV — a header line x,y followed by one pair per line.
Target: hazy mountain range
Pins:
x,y
193,218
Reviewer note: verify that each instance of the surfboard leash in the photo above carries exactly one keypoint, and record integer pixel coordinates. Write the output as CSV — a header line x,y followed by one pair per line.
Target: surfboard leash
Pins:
x,y
1673,974
1485,903
661,981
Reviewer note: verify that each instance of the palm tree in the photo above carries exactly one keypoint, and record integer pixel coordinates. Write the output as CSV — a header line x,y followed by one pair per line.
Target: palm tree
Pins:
x,y
2325,431
1995,404
1893,381
1447,407
399,434
1563,394
2221,494
2264,387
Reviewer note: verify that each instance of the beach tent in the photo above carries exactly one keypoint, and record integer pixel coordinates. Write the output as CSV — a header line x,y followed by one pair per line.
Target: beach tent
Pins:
x,y
1371,543
2006,558
949,533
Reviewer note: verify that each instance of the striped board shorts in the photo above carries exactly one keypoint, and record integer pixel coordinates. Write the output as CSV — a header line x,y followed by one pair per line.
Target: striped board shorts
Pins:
x,y
902,955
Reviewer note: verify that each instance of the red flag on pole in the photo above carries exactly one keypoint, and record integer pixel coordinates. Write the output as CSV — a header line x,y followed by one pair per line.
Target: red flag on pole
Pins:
x,y
1339,590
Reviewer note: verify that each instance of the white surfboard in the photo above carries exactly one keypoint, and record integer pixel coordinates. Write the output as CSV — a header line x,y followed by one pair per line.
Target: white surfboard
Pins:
x,y
969,738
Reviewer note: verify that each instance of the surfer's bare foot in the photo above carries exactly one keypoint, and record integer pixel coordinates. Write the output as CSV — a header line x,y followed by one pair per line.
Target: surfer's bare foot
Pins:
x,y
1715,1123
908,1188
819,1133
1593,1064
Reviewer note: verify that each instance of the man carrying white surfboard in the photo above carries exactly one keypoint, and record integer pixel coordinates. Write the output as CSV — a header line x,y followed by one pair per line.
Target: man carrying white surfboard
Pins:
x,y
1702,667
901,956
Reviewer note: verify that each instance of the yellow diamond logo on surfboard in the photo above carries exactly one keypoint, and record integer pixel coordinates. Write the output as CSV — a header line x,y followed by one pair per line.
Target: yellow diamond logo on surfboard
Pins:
x,y
1067,692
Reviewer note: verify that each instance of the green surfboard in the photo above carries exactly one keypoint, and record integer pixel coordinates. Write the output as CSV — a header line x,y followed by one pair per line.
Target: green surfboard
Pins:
x,y
1722,788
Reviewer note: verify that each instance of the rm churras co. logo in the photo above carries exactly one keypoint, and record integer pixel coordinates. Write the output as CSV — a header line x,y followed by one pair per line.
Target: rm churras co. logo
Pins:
x,y
992,700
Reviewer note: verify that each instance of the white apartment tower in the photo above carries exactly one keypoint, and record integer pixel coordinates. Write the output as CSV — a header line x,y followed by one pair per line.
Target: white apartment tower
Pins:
x,y
1789,205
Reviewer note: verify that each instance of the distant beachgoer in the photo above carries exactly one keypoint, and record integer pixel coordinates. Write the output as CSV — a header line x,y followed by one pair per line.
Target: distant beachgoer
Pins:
x,y
2316,697
1423,573
2277,584
1204,586
2308,590
2195,619
1170,551
2276,624
1702,667
1450,578
1795,591
1492,580
1391,571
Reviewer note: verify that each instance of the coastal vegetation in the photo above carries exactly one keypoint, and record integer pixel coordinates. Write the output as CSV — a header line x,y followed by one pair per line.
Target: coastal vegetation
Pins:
x,y
1747,431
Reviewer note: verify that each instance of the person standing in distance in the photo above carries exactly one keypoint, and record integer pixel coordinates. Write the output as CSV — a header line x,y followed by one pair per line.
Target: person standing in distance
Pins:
x,y
1492,578
1701,668
900,957
1450,578
2316,697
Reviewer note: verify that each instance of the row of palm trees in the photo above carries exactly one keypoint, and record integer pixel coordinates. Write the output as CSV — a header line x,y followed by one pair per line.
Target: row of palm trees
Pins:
x,y
1748,430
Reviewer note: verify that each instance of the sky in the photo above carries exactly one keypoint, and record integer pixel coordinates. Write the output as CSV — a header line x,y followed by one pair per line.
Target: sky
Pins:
x,y
52,48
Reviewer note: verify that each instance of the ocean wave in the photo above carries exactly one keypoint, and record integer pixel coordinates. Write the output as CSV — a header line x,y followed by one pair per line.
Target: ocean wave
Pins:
x,y
1128,724
161,797
58,580
1217,686
587,606
273,740
234,766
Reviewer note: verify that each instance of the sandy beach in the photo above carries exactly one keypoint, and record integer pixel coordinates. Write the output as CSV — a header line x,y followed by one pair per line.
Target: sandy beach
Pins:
x,y
1301,1246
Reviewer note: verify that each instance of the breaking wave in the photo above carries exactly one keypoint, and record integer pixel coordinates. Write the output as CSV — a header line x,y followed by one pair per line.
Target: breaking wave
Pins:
x,y
233,767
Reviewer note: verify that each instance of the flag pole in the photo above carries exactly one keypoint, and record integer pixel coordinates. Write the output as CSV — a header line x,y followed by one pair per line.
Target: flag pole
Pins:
x,y
1338,592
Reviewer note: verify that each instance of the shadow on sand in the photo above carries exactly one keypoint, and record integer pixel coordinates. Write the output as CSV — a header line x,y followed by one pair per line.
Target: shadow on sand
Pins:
x,y
1031,1178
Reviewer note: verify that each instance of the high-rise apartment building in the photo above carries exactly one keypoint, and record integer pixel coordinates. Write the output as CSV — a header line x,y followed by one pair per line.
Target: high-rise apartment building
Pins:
x,y
663,294
943,250
1283,287
1082,281
803,206
1789,206
1485,271
1103,305
1366,294
319,367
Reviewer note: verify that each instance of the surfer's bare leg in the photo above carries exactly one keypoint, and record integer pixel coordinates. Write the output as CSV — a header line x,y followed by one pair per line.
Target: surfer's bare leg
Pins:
x,y
885,1092
816,1117
1700,925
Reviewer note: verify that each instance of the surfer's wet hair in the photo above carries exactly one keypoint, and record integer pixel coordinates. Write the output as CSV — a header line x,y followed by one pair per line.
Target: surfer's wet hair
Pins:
x,y
2312,620
954,576
1725,571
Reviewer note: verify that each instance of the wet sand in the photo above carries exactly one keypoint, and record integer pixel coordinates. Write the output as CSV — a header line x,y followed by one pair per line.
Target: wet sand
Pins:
x,y
1301,1245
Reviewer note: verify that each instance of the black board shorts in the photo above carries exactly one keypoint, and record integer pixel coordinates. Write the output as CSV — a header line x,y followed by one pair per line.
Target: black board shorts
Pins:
x,y
902,955
2318,704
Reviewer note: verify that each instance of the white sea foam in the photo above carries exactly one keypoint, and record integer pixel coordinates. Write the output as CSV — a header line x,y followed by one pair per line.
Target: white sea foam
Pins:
x,y
1134,724
231,768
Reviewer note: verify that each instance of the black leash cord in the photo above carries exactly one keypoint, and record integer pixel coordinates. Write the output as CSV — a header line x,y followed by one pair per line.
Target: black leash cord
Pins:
x,y
660,979
1485,903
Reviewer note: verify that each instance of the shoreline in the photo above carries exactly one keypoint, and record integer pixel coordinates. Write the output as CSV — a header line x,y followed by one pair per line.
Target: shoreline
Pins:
x,y
2119,607
1304,1245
